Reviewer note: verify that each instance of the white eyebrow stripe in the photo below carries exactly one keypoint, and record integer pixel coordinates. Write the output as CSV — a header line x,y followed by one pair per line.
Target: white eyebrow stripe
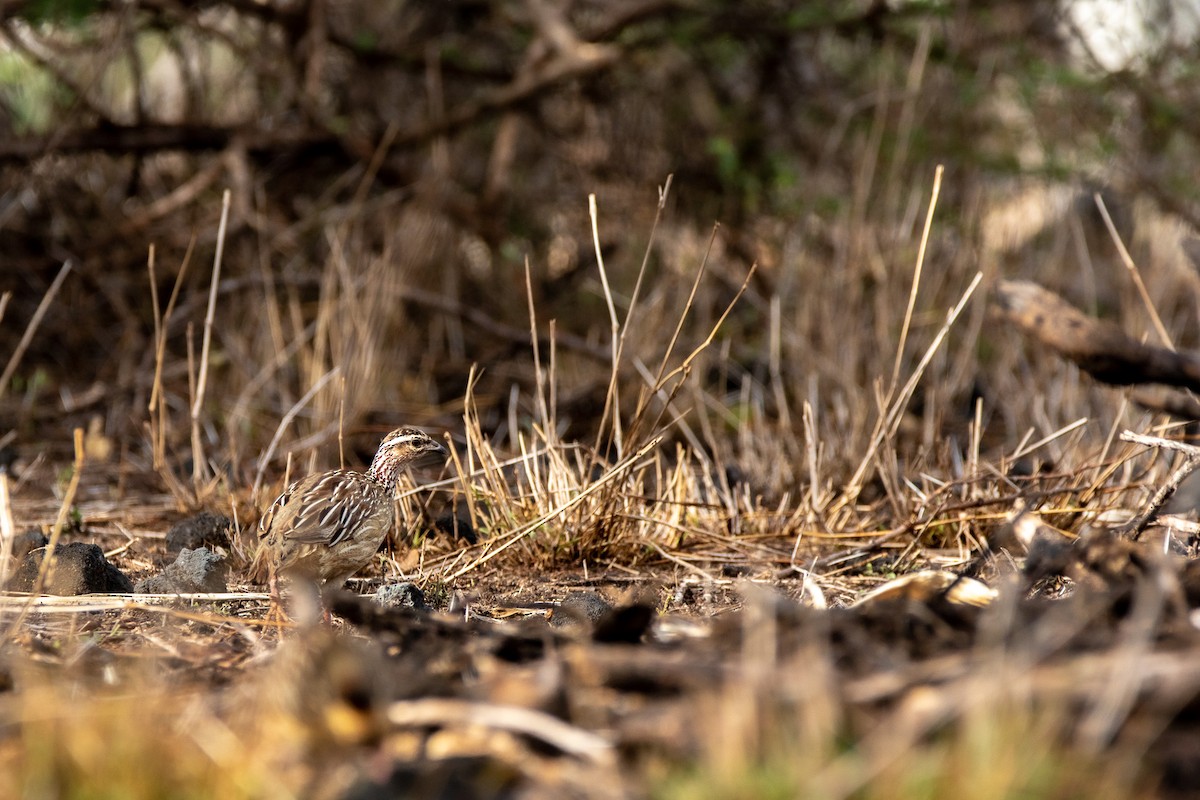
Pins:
x,y
408,437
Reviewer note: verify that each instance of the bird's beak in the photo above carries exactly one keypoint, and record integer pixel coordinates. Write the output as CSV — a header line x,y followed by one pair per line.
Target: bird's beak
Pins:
x,y
433,450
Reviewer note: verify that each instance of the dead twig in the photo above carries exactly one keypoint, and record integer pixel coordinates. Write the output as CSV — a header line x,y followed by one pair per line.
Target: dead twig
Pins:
x,y
283,423
1133,529
526,721
199,470
32,327
7,529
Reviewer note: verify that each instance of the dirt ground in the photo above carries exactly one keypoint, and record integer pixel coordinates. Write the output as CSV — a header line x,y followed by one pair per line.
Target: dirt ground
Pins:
x,y
678,678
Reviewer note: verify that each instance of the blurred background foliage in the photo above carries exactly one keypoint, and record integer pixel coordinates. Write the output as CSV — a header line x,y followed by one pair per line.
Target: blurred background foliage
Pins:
x,y
395,166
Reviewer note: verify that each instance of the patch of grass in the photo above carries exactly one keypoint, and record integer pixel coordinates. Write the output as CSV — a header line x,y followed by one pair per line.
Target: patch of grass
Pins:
x,y
1004,747
139,743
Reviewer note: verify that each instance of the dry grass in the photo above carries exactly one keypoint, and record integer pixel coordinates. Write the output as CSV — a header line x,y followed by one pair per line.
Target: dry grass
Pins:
x,y
746,430
738,423
654,496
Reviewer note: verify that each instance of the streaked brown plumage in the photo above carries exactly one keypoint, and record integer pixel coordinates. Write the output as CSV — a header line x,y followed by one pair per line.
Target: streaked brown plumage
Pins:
x,y
326,527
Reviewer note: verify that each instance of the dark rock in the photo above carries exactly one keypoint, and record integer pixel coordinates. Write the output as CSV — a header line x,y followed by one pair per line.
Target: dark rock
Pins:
x,y
457,527
199,570
25,543
453,778
624,625
79,568
591,614
734,475
8,457
405,594
203,530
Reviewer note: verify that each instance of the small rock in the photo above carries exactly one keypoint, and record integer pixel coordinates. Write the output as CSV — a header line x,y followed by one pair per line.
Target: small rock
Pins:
x,y
583,609
203,530
80,568
199,570
25,543
405,594
457,527
8,457
590,613
734,475
625,624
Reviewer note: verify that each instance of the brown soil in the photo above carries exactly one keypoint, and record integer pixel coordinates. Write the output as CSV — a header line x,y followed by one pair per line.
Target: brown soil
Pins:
x,y
483,697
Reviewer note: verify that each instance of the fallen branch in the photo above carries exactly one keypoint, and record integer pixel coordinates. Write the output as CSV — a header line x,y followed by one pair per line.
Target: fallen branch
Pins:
x,y
536,724
1098,347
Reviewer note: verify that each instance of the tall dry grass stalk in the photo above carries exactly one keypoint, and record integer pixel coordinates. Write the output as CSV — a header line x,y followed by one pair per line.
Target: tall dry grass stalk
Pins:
x,y
27,336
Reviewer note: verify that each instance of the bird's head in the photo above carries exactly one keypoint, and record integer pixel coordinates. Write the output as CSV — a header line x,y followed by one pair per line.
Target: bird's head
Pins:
x,y
401,448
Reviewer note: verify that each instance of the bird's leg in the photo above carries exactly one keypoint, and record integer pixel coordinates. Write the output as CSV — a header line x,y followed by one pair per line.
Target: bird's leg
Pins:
x,y
276,613
323,604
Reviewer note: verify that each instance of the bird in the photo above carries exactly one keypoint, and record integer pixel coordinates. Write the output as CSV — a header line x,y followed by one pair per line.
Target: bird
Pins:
x,y
325,527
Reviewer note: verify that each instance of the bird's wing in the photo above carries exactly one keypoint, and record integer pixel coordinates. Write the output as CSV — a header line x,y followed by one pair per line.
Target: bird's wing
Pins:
x,y
323,509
